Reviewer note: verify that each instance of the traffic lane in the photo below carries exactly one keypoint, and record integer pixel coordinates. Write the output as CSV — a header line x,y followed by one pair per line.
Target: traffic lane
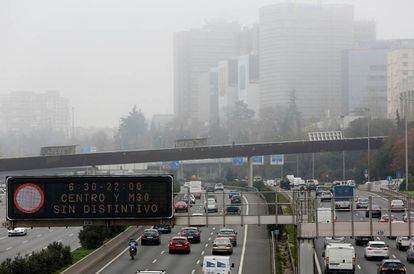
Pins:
x,y
157,257
37,239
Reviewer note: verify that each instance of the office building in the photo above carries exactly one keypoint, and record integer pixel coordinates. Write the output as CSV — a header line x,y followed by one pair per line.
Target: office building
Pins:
x,y
300,50
400,71
25,112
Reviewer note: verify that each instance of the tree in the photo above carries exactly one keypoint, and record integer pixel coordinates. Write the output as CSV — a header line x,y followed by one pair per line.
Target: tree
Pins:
x,y
239,122
270,120
131,130
291,127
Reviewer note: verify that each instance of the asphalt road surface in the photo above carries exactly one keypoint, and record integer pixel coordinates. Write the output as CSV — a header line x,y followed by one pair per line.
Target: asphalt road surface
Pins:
x,y
36,238
251,255
362,265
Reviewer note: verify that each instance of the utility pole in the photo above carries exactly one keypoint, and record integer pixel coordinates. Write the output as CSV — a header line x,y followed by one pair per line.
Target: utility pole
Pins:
x,y
369,147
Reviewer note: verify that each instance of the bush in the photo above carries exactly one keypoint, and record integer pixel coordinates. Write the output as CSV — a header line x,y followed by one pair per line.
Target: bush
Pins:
x,y
53,258
92,237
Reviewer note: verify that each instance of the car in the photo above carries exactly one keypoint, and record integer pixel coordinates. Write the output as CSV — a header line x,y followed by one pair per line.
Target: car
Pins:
x,y
163,228
233,193
376,249
197,214
333,240
219,187
192,233
228,233
181,206
339,258
325,196
189,199
363,240
386,218
211,196
402,242
18,231
237,199
210,206
222,245
150,236
391,266
375,212
179,244
362,203
209,188
151,272
233,210
410,252
397,205
405,218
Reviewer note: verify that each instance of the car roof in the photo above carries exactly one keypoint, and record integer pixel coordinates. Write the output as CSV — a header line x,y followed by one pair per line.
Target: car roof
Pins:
x,y
179,238
391,261
227,229
190,227
222,239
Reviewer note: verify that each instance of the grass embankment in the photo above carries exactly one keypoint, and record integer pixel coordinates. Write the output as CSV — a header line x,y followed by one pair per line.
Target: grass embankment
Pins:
x,y
411,193
78,254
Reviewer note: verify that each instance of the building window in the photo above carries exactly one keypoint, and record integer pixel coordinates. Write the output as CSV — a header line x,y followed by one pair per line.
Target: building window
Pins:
x,y
242,77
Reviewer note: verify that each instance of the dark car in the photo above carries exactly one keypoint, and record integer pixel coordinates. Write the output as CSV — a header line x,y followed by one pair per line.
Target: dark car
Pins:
x,y
237,199
363,240
233,193
150,236
163,228
391,266
233,210
209,188
193,234
181,206
179,244
376,212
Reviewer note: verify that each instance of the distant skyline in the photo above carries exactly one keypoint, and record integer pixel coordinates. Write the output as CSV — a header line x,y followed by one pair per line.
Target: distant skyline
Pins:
x,y
107,55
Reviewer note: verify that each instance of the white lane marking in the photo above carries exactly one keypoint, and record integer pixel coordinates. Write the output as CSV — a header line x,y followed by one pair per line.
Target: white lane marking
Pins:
x,y
356,214
202,253
25,241
393,256
378,238
193,271
154,261
3,237
206,245
361,219
51,230
114,259
244,238
211,233
39,235
198,261
214,228
10,247
358,266
162,252
71,234
209,238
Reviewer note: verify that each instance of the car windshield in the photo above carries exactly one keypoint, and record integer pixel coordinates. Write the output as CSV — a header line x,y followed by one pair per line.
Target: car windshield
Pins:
x,y
392,265
178,241
377,245
150,233
222,241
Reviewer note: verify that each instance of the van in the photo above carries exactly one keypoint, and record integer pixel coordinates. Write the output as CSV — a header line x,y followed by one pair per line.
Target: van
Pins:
x,y
217,265
325,215
339,258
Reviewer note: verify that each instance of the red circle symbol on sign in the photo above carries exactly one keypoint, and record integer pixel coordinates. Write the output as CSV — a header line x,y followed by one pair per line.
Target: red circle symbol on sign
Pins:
x,y
29,198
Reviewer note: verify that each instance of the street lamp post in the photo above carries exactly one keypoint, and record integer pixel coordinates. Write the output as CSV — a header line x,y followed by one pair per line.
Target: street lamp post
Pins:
x,y
369,147
406,100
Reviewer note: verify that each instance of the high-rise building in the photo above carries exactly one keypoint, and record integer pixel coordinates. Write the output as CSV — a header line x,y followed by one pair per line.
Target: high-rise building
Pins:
x,y
300,50
248,81
365,30
400,71
25,111
364,80
195,53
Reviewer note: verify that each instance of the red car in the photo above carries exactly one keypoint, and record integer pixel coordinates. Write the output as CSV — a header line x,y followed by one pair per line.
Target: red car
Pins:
x,y
179,244
181,206
385,218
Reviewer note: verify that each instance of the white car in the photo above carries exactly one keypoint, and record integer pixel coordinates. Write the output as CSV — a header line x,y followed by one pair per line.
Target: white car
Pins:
x,y
402,242
333,240
18,231
211,205
397,205
376,249
218,187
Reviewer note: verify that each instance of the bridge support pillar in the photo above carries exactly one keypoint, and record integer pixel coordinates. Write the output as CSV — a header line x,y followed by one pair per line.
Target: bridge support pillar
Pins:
x,y
305,256
250,171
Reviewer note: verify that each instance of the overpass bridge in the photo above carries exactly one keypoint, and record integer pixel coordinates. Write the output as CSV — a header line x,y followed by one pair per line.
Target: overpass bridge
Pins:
x,y
189,153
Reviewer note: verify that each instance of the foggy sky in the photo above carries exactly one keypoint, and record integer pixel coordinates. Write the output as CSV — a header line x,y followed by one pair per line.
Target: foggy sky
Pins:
x,y
107,55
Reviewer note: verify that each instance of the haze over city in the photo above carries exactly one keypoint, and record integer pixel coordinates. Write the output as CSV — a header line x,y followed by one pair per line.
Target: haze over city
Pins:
x,y
106,56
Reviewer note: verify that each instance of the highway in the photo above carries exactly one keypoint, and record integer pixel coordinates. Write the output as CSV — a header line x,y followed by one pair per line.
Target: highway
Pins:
x,y
36,238
251,255
363,265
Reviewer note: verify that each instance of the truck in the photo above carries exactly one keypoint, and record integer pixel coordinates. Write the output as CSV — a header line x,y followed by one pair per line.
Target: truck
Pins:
x,y
325,215
339,258
296,183
343,195
195,189
217,264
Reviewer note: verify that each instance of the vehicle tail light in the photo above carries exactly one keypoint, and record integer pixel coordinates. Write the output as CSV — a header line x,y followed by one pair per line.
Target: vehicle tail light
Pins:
x,y
369,248
353,260
383,269
229,245
327,260
385,248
